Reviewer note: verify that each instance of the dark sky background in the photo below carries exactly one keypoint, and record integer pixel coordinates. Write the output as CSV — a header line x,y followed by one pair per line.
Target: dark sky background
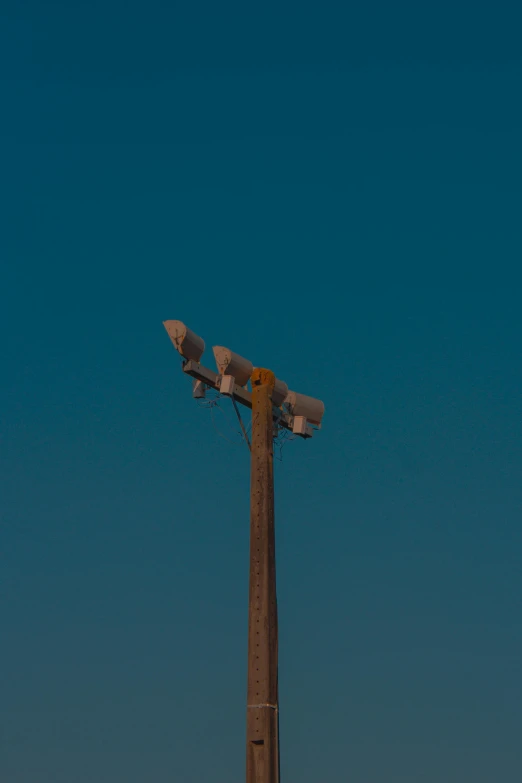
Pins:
x,y
334,192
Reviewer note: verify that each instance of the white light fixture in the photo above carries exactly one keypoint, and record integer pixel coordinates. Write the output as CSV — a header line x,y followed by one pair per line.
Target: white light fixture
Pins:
x,y
308,407
229,363
185,341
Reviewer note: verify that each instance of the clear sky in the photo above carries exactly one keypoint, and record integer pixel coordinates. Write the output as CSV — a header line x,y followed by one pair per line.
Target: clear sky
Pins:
x,y
335,193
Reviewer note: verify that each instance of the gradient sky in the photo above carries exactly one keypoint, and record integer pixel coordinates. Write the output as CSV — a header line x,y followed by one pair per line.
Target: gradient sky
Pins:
x,y
336,194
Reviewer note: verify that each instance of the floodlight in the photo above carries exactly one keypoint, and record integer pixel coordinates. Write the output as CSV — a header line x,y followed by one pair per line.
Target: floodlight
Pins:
x,y
229,363
309,407
188,344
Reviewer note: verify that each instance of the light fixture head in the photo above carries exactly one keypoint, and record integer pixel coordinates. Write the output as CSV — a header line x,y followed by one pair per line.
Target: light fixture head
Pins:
x,y
229,363
185,341
309,407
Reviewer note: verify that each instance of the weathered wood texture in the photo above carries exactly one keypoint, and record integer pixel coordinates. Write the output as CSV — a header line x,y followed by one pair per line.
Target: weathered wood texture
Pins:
x,y
262,696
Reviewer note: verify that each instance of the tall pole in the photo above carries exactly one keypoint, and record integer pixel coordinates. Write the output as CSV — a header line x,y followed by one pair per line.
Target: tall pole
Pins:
x,y
262,763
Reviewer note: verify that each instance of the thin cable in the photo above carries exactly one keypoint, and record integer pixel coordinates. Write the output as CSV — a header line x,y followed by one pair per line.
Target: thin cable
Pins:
x,y
243,430
234,442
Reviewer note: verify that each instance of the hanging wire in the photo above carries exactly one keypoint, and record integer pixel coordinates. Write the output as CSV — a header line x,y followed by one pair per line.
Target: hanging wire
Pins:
x,y
281,439
243,430
212,401
212,409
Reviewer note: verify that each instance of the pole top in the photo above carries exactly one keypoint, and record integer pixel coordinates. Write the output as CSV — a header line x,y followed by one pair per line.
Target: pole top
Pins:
x,y
262,377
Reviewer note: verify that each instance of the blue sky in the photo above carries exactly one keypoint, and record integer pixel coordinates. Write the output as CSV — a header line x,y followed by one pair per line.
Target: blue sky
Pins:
x,y
335,194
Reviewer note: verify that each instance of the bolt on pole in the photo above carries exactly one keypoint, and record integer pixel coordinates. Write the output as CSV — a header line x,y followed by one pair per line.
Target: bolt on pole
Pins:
x,y
262,752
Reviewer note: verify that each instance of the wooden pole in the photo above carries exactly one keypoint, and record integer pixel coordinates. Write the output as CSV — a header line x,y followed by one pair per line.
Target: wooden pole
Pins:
x,y
262,764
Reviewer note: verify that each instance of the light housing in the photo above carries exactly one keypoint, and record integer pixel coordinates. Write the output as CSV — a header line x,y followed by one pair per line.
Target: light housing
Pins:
x,y
229,363
185,341
309,407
